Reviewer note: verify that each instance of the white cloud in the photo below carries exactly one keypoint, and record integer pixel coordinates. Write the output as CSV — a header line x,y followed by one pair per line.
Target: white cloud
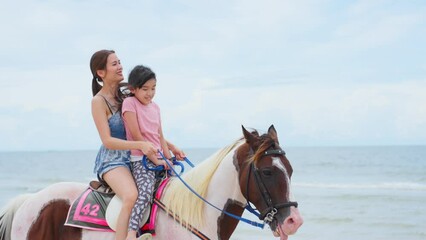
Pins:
x,y
309,111
409,110
375,31
323,73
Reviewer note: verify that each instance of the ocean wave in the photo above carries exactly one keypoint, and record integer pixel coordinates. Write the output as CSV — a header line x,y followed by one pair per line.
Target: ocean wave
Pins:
x,y
387,185
334,220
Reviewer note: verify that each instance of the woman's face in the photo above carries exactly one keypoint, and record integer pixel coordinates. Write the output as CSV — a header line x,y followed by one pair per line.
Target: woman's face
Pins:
x,y
114,70
146,93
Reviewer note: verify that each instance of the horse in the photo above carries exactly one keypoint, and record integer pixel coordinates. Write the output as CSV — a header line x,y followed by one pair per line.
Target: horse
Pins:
x,y
253,170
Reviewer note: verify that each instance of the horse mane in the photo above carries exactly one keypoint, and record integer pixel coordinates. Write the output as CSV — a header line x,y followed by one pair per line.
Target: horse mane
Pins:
x,y
184,203
267,142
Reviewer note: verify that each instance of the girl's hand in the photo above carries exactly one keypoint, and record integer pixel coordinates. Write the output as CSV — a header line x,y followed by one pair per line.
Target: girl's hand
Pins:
x,y
179,154
170,163
153,158
161,162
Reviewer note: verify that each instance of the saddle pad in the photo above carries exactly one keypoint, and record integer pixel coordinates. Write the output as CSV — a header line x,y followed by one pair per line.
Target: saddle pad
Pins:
x,y
88,211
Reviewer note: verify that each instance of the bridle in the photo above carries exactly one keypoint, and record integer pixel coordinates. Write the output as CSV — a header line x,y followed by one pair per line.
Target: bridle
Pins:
x,y
268,214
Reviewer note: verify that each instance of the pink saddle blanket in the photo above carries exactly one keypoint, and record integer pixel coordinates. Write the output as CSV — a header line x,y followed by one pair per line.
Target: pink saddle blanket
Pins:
x,y
88,210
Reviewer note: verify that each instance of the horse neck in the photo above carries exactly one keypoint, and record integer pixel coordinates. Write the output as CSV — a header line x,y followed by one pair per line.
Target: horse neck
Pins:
x,y
224,185
224,192
218,182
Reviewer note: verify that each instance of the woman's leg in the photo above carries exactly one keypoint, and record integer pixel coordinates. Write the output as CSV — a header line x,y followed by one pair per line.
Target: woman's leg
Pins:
x,y
145,182
121,181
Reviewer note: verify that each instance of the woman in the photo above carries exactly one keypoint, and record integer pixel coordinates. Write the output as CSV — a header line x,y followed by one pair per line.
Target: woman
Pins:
x,y
112,162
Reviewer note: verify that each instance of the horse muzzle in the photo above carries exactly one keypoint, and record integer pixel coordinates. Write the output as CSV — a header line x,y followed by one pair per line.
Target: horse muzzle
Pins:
x,y
284,227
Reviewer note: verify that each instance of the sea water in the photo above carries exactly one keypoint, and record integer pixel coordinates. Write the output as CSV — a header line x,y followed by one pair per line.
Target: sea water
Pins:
x,y
344,193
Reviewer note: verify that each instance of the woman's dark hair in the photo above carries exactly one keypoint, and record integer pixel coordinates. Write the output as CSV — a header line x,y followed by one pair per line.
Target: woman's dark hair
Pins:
x,y
99,62
139,76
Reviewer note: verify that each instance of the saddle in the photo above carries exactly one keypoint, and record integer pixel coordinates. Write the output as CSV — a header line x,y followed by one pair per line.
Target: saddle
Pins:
x,y
97,204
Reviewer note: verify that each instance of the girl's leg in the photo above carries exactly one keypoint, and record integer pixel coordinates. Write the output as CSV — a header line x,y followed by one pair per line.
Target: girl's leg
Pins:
x,y
145,182
121,181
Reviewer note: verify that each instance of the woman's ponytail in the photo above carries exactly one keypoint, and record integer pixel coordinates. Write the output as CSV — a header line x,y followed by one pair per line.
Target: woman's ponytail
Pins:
x,y
98,62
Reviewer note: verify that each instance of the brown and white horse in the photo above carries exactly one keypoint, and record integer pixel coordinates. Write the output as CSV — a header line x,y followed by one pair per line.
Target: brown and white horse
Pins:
x,y
251,171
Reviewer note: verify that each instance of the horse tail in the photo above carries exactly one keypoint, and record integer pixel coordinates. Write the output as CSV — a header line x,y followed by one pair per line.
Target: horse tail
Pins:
x,y
7,214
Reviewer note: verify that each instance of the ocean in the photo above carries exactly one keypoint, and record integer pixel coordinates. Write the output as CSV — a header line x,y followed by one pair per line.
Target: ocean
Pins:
x,y
344,193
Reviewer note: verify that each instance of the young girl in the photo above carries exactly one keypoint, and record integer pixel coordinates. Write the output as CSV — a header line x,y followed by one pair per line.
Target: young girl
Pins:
x,y
112,162
143,123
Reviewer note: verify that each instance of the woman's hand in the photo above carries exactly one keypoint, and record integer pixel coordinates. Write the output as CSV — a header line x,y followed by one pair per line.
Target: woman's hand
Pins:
x,y
148,149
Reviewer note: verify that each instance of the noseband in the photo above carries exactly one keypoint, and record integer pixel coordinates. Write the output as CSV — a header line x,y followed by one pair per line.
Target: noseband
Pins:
x,y
267,214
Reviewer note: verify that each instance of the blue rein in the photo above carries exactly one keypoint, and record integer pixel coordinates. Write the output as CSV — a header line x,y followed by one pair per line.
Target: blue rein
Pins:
x,y
161,167
248,207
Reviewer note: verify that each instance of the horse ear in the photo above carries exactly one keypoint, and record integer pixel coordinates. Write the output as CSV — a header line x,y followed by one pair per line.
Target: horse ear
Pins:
x,y
248,136
273,133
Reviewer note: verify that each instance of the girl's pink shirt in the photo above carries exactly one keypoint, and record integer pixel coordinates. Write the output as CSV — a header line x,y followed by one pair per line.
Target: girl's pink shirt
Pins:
x,y
149,119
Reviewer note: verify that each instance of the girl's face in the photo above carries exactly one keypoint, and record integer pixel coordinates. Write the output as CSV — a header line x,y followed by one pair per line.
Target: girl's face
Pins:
x,y
146,93
113,71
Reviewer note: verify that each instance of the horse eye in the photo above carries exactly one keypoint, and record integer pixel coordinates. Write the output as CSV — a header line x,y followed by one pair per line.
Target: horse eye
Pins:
x,y
267,172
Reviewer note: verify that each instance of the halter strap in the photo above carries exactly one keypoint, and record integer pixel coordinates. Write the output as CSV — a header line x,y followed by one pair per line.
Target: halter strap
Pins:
x,y
273,152
267,214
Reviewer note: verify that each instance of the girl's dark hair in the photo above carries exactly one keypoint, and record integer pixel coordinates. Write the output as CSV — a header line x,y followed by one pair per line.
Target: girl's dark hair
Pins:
x,y
98,62
139,76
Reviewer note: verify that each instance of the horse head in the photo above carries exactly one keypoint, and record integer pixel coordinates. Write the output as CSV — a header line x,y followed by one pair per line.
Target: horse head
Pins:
x,y
265,181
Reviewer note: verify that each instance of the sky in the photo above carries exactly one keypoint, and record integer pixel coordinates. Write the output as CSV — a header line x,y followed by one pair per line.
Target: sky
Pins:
x,y
323,72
